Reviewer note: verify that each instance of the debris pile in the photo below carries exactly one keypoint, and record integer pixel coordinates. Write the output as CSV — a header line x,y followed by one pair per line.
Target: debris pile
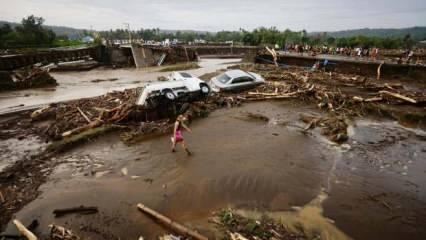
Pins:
x,y
343,96
74,117
60,233
26,78
238,227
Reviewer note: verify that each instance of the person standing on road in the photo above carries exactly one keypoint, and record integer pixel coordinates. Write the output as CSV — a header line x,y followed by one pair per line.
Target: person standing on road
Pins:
x,y
177,134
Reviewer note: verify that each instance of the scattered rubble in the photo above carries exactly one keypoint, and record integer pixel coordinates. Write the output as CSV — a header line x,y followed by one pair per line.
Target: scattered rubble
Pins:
x,y
61,233
238,227
29,77
67,124
343,96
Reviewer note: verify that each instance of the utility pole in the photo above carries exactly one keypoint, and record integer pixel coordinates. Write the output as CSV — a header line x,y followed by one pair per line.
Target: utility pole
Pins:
x,y
127,25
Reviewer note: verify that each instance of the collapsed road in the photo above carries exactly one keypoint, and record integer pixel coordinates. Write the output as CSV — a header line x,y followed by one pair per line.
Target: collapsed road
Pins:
x,y
328,155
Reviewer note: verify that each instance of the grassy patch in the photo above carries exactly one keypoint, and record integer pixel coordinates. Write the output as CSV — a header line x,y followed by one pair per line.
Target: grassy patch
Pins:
x,y
180,67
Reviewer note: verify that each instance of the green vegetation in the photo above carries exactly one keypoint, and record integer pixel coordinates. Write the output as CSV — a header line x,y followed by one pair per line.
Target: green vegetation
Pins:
x,y
32,34
29,33
263,36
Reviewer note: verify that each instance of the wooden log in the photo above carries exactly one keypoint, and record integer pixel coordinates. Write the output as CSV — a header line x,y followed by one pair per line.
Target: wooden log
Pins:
x,y
262,94
80,209
373,99
237,236
379,70
59,232
39,112
2,198
24,231
358,99
84,115
269,98
274,55
170,223
399,96
93,124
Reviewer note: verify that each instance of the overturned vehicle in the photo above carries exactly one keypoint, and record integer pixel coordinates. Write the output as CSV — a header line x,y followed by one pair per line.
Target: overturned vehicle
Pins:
x,y
180,87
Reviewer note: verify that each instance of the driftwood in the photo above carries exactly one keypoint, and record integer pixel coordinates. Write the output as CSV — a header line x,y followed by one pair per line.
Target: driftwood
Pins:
x,y
170,223
237,236
274,55
80,209
373,99
33,225
255,96
61,233
262,94
80,129
399,96
84,115
269,98
379,70
2,198
38,112
24,231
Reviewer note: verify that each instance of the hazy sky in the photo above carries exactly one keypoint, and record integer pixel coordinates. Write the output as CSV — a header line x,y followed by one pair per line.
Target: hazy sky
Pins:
x,y
215,15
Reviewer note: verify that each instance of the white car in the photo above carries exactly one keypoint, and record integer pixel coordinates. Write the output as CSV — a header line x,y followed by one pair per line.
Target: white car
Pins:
x,y
179,85
235,80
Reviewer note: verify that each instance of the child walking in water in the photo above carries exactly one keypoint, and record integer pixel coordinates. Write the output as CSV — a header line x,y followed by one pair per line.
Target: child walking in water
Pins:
x,y
177,134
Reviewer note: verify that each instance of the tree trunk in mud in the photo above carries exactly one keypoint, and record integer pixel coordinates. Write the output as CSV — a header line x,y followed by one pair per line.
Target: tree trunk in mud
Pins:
x,y
170,223
24,231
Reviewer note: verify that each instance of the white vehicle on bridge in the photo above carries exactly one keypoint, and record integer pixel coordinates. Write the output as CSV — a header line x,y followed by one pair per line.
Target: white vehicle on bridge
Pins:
x,y
235,80
180,86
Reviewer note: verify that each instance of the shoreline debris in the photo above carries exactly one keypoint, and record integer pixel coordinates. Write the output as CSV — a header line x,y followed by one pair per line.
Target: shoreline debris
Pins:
x,y
81,210
28,77
24,231
242,228
60,233
170,223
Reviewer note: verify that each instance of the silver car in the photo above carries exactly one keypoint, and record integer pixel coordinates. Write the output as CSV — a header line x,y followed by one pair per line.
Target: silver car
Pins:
x,y
235,80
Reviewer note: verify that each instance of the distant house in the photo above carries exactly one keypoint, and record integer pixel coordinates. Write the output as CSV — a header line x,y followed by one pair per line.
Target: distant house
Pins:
x,y
87,39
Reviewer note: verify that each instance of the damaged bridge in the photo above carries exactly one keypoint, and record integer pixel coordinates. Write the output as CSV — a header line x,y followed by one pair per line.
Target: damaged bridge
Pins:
x,y
11,62
349,65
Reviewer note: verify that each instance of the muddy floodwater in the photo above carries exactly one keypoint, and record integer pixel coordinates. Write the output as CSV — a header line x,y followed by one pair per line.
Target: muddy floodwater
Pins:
x,y
75,85
373,187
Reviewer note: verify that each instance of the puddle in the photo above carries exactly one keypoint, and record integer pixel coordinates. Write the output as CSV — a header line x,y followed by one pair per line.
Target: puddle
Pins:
x,y
308,218
12,150
260,167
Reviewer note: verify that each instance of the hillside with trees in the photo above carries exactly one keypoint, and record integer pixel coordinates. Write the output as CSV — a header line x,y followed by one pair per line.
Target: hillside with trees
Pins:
x,y
32,33
417,33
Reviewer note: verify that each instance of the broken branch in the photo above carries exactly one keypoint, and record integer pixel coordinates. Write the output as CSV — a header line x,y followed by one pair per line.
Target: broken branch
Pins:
x,y
396,95
24,231
170,223
80,209
84,115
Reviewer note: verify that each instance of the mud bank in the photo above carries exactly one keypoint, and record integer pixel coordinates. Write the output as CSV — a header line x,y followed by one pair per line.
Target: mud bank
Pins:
x,y
273,155
268,166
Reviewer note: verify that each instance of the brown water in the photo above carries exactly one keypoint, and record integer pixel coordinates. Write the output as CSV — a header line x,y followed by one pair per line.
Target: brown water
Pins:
x,y
75,85
267,167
